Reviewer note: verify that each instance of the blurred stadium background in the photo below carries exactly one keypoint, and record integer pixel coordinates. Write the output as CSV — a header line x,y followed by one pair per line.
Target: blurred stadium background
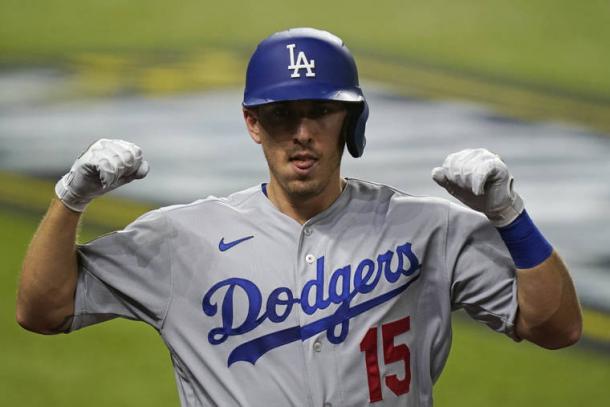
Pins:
x,y
528,79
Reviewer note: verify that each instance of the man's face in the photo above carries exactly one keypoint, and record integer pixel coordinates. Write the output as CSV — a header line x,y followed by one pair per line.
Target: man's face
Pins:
x,y
302,142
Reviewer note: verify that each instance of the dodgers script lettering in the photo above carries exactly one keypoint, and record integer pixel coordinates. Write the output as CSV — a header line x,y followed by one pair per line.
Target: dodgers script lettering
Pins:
x,y
344,284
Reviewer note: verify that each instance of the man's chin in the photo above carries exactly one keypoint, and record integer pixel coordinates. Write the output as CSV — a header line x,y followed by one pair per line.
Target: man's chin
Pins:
x,y
304,188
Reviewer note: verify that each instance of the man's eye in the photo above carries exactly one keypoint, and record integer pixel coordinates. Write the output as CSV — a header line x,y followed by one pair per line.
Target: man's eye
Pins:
x,y
320,111
280,113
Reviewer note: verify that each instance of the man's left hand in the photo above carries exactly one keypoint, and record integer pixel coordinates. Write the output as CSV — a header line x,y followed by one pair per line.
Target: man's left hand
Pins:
x,y
481,180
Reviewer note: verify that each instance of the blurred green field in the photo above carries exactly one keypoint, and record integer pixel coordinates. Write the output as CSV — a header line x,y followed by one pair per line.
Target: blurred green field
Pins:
x,y
124,363
559,43
539,59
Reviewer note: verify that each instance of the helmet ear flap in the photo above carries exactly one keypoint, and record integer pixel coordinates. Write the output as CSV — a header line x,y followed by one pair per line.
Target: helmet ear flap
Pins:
x,y
354,127
347,127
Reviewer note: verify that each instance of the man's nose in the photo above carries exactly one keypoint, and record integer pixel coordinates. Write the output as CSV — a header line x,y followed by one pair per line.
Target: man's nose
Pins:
x,y
305,130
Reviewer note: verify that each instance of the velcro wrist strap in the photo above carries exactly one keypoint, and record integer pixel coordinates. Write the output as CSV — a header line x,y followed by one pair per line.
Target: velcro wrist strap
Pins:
x,y
525,243
68,198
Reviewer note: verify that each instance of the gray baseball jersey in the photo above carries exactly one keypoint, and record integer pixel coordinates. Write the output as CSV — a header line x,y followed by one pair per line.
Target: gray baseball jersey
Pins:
x,y
353,307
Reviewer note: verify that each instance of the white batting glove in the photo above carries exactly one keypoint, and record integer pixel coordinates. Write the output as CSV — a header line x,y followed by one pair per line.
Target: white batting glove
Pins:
x,y
481,180
106,165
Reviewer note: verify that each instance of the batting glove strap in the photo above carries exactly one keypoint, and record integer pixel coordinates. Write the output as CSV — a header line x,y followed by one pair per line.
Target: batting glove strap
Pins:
x,y
507,215
525,243
67,196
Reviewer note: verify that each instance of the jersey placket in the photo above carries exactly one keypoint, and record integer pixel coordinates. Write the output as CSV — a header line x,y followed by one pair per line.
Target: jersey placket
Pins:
x,y
317,350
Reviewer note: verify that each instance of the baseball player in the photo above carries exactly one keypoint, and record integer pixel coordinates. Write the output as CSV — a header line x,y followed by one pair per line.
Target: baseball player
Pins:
x,y
310,289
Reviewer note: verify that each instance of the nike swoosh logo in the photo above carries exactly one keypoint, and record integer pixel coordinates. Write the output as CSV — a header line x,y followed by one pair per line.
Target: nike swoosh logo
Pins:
x,y
222,246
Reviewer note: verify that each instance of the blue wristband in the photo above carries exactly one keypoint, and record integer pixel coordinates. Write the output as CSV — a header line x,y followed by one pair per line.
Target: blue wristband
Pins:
x,y
525,243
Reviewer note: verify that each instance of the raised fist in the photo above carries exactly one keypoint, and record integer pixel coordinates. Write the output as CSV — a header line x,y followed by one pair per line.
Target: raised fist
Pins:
x,y
106,165
481,180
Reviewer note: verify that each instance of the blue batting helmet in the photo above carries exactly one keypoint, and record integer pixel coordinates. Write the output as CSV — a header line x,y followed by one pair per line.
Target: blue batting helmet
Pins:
x,y
308,64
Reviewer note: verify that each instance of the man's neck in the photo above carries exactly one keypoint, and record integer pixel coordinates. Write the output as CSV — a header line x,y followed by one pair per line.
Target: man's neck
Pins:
x,y
301,208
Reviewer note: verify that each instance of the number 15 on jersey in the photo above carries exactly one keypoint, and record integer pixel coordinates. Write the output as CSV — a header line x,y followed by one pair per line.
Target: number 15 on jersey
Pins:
x,y
392,353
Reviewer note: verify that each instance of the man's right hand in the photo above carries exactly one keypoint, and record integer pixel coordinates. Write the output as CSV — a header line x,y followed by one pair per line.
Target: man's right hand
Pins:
x,y
106,165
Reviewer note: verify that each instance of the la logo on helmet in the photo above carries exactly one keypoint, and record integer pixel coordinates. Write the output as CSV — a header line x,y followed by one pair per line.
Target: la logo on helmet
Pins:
x,y
301,63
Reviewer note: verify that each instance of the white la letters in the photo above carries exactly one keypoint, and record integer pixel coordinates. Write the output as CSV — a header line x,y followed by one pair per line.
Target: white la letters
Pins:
x,y
301,63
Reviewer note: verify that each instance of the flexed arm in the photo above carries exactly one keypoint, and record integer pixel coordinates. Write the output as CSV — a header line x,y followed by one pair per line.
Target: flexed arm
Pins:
x,y
549,313
45,299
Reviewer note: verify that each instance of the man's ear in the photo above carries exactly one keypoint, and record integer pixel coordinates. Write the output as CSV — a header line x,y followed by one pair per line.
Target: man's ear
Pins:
x,y
253,124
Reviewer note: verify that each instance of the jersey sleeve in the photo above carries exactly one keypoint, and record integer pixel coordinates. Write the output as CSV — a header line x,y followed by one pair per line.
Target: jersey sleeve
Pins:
x,y
483,275
125,274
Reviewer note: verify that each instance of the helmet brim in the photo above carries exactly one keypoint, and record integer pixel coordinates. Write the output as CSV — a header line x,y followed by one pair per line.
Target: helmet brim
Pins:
x,y
302,91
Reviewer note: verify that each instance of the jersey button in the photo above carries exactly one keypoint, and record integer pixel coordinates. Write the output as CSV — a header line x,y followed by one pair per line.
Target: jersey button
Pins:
x,y
307,231
317,346
310,258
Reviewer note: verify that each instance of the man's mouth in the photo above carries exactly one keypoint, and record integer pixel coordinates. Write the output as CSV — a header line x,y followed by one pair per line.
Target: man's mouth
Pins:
x,y
303,162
